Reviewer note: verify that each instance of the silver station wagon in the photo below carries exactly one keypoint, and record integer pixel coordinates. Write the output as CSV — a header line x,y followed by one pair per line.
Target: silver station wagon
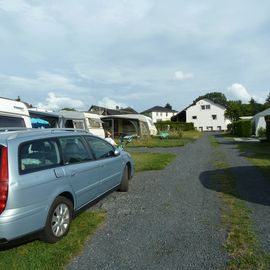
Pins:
x,y
46,176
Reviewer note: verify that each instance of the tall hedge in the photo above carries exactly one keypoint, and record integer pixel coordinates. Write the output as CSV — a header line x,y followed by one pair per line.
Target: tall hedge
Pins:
x,y
174,126
267,120
242,128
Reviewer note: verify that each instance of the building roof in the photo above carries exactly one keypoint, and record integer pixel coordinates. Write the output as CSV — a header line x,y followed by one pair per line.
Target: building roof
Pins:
x,y
106,111
159,109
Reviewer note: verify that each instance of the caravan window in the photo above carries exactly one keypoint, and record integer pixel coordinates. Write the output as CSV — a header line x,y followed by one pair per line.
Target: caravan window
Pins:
x,y
94,123
78,124
9,121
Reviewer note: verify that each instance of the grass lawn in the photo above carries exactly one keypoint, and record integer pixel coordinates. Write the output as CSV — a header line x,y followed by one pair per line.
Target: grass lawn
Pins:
x,y
258,154
188,136
151,161
39,255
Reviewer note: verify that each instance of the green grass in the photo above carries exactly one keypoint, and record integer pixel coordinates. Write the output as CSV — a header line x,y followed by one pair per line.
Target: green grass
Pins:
x,y
187,136
241,242
39,255
151,161
258,154
192,134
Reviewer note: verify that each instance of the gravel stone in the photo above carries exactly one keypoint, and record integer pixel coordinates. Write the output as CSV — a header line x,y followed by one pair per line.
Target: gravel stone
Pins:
x,y
167,220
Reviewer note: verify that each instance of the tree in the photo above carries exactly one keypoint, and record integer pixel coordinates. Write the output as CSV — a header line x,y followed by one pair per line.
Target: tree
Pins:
x,y
216,97
168,106
233,110
68,109
268,98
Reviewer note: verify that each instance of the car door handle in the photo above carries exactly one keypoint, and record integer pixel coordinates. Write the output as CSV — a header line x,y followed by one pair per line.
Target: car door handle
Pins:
x,y
59,172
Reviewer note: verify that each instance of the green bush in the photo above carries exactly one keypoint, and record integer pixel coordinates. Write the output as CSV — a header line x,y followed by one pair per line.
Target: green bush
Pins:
x,y
267,120
262,132
174,126
242,128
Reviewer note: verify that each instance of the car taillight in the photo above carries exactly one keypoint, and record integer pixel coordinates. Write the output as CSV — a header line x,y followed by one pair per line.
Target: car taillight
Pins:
x,y
3,177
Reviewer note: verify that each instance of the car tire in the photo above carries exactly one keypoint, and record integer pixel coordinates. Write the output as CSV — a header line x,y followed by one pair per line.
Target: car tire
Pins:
x,y
58,220
123,187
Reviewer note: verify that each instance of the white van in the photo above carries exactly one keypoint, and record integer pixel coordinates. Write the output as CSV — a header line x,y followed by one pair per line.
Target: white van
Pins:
x,y
82,120
14,114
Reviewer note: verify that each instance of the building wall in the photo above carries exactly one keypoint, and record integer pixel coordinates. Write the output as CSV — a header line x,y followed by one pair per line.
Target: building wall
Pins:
x,y
161,116
207,116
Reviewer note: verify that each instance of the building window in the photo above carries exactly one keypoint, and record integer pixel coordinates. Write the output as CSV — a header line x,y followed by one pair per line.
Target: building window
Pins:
x,y
209,128
194,117
156,113
166,114
161,114
214,116
207,107
203,107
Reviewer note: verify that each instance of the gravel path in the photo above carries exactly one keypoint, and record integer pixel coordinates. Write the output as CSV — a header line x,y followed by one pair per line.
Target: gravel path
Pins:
x,y
252,187
167,220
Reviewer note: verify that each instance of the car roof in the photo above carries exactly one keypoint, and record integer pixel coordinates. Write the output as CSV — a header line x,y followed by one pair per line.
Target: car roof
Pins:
x,y
33,133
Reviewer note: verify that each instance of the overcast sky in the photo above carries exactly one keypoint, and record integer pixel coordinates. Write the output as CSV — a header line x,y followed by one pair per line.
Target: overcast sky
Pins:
x,y
137,53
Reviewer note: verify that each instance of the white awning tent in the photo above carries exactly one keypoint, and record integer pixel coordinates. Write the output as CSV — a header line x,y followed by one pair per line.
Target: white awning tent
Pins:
x,y
259,121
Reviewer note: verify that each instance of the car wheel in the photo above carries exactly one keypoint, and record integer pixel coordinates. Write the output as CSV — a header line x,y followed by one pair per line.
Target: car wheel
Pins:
x,y
58,220
125,181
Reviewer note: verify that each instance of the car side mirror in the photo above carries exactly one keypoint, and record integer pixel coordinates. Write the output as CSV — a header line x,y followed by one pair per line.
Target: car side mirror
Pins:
x,y
116,152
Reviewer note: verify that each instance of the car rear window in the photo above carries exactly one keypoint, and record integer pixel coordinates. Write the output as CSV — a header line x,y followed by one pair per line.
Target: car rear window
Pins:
x,y
38,155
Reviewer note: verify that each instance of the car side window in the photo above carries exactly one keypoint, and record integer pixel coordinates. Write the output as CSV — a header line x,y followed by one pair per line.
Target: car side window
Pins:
x,y
74,150
101,148
38,155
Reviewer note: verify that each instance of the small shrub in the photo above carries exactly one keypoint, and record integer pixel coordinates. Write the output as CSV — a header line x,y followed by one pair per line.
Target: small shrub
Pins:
x,y
262,132
267,120
178,134
174,126
242,128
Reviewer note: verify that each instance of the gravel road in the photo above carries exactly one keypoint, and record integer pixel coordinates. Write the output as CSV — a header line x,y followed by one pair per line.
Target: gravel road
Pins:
x,y
167,220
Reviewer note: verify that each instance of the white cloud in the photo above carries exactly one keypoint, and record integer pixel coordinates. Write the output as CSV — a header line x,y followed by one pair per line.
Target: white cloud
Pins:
x,y
110,103
181,76
239,92
44,81
57,103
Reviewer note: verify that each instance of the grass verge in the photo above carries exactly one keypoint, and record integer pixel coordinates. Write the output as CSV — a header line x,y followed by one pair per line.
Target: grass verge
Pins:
x,y
43,256
151,161
187,136
241,242
258,154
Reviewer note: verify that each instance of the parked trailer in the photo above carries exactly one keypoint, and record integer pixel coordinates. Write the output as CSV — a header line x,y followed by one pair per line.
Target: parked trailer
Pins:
x,y
82,120
14,114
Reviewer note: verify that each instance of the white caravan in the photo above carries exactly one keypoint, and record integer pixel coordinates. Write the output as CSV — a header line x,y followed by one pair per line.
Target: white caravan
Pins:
x,y
14,114
82,120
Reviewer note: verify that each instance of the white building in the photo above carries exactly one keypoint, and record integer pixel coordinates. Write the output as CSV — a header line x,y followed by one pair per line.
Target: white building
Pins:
x,y
159,113
205,115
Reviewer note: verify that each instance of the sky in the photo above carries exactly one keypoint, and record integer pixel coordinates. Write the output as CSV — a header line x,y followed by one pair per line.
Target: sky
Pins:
x,y
137,53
